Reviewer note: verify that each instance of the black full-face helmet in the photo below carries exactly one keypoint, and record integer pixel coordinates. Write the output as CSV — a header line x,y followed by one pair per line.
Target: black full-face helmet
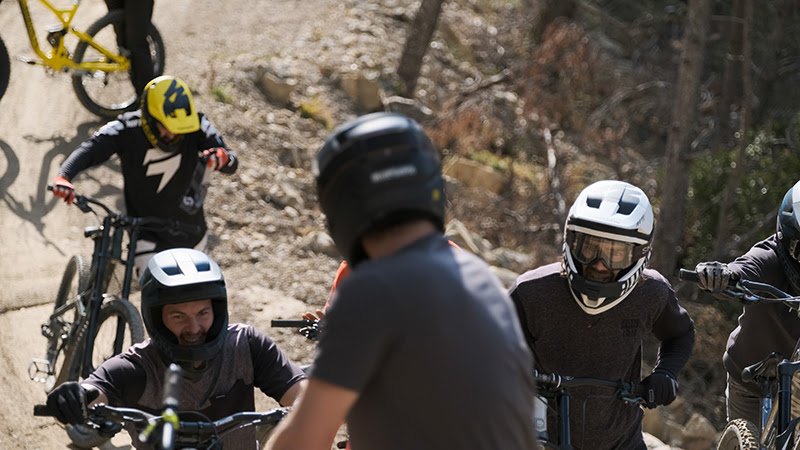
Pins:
x,y
788,236
177,276
376,171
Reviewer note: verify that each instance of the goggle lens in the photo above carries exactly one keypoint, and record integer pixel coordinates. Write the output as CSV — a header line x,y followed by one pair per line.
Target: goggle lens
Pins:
x,y
616,255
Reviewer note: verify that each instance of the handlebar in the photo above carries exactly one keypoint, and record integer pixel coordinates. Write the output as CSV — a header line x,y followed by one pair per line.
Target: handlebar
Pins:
x,y
107,420
84,203
748,291
308,328
627,391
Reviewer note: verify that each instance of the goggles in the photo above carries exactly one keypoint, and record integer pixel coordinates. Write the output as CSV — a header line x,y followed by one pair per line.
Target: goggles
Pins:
x,y
588,249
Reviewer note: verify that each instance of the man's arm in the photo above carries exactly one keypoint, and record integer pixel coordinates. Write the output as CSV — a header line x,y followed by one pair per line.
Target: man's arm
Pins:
x,y
293,393
313,422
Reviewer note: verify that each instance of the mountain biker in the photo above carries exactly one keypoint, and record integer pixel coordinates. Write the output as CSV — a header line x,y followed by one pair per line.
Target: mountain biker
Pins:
x,y
137,15
762,328
159,147
185,311
587,315
420,347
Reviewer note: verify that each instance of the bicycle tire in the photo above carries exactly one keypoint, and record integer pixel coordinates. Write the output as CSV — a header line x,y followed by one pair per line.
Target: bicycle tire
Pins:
x,y
108,94
60,351
5,68
739,434
119,326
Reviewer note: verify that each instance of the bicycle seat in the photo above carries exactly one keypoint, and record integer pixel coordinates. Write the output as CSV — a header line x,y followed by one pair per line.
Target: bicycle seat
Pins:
x,y
766,369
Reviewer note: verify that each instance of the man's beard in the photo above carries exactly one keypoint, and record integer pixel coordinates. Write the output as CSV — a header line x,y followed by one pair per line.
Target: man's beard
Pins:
x,y
192,339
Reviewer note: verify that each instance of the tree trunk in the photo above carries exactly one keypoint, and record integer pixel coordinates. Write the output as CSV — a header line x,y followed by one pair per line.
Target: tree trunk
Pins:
x,y
676,180
730,76
735,176
419,38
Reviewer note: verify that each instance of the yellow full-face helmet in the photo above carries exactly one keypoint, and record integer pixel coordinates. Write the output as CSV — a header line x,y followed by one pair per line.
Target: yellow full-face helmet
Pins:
x,y
167,100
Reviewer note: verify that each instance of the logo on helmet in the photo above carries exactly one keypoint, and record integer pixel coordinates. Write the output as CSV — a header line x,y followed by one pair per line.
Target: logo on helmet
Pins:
x,y
174,99
392,173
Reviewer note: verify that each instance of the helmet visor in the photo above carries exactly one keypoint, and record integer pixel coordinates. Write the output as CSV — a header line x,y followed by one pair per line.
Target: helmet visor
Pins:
x,y
615,255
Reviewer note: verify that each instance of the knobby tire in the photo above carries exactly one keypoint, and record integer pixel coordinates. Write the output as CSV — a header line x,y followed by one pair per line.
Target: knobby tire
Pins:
x,y
119,326
119,81
5,68
739,434
60,353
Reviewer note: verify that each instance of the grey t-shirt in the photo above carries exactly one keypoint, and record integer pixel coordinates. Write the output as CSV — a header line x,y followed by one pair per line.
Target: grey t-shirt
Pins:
x,y
433,346
763,328
567,341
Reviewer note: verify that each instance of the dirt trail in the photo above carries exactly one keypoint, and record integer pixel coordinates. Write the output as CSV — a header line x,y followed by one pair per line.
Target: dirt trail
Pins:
x,y
41,122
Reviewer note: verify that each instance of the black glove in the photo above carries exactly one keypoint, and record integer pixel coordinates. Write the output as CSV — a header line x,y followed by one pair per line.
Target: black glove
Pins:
x,y
714,276
68,402
660,388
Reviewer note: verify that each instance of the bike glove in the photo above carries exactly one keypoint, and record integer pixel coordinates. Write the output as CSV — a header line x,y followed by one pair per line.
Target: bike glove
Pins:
x,y
714,276
62,188
660,388
217,158
68,402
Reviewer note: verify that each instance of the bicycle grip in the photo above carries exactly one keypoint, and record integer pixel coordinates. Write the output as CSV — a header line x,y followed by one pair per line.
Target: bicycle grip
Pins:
x,y
42,411
280,323
688,275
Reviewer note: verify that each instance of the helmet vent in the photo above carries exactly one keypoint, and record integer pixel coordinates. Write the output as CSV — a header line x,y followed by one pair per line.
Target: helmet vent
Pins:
x,y
594,202
626,207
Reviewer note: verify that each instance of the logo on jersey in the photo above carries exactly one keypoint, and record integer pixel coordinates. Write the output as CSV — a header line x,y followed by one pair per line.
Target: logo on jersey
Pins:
x,y
174,99
159,162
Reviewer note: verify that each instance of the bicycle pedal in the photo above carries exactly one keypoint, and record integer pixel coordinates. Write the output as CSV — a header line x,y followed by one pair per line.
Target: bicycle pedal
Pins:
x,y
39,370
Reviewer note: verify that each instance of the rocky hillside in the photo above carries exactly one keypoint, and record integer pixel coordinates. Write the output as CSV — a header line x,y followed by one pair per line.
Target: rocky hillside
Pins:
x,y
521,129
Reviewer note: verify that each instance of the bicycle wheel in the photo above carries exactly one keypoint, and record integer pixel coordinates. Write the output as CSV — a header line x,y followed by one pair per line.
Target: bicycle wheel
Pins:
x,y
60,340
739,434
108,94
5,68
119,326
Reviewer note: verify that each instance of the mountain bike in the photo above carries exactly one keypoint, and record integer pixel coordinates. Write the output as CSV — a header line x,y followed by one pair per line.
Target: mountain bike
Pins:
x,y
554,397
774,375
92,319
100,67
174,429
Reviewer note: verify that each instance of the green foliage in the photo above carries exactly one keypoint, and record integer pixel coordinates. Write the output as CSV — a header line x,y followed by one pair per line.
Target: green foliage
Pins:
x,y
314,108
771,167
220,93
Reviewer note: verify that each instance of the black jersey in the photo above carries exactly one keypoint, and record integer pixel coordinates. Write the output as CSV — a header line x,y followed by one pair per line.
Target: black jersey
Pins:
x,y
155,182
568,341
432,344
248,360
763,328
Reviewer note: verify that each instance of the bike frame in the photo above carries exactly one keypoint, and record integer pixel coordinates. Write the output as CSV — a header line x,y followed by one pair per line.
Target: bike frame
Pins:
x,y
60,58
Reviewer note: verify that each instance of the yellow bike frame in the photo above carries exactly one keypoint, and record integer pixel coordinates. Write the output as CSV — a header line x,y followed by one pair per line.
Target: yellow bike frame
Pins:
x,y
59,57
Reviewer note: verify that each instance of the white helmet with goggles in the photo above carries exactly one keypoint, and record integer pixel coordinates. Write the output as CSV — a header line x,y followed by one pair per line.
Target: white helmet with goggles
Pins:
x,y
606,247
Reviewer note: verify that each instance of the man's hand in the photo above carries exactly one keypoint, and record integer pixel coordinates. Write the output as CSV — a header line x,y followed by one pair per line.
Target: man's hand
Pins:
x,y
217,158
68,402
713,276
660,387
62,188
